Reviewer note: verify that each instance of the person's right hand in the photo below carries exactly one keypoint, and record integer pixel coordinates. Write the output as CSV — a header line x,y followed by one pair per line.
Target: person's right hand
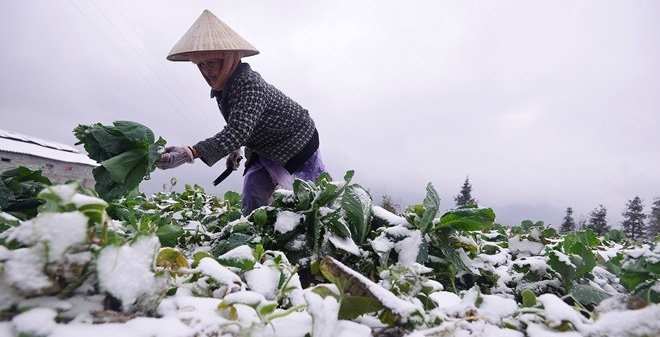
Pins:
x,y
175,156
234,160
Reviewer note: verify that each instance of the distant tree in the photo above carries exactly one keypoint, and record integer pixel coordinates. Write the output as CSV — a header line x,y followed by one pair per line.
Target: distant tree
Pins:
x,y
389,204
465,196
633,219
654,219
582,223
568,224
598,220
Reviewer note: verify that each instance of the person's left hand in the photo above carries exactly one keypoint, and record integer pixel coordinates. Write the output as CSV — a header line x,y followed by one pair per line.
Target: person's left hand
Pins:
x,y
175,156
234,160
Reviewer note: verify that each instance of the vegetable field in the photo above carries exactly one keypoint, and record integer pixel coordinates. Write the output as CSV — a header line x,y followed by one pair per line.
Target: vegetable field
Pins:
x,y
321,260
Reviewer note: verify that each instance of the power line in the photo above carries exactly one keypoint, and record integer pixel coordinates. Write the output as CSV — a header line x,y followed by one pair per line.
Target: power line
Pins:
x,y
159,59
137,53
118,50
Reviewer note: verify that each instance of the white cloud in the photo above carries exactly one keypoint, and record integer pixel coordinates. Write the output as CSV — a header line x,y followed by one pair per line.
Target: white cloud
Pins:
x,y
543,105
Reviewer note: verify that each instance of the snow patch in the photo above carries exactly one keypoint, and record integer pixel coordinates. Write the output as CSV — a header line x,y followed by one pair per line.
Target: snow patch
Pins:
x,y
137,327
239,253
494,308
388,216
516,245
81,200
445,299
35,322
126,271
347,244
324,313
4,253
537,330
58,231
264,279
25,270
8,295
287,221
398,306
219,273
557,311
641,322
408,248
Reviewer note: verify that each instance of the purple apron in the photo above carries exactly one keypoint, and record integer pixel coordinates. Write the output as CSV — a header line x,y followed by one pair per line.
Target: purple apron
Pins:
x,y
265,175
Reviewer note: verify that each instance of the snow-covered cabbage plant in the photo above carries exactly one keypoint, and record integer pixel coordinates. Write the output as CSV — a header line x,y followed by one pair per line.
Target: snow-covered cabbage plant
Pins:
x,y
18,191
640,271
68,251
190,220
191,264
316,219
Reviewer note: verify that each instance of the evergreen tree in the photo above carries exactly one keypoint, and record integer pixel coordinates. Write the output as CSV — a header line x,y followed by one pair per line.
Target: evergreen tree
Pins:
x,y
633,219
465,196
654,219
597,220
568,224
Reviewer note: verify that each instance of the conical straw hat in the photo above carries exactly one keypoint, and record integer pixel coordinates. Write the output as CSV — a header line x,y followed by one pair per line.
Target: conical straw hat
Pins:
x,y
209,33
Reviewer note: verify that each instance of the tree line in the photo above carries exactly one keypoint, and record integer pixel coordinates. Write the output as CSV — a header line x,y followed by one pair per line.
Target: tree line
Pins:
x,y
636,224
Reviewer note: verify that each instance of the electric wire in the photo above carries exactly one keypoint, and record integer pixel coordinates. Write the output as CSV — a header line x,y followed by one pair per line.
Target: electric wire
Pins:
x,y
118,50
148,66
160,60
163,82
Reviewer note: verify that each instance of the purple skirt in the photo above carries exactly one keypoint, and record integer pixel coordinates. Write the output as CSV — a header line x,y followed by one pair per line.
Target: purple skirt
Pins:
x,y
265,175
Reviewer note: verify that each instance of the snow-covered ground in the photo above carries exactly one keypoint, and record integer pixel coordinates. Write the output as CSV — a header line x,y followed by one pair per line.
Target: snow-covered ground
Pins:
x,y
72,272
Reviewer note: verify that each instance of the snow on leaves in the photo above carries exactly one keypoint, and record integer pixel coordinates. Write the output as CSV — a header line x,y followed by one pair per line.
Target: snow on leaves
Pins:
x,y
321,260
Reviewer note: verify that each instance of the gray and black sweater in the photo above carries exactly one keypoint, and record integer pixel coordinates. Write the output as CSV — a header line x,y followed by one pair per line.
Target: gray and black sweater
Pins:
x,y
261,118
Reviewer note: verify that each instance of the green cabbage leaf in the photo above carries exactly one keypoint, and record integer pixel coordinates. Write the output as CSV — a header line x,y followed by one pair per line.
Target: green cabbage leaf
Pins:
x,y
126,151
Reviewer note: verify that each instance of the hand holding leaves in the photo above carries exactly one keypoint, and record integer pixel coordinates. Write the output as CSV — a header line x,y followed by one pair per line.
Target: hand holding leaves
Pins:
x,y
175,156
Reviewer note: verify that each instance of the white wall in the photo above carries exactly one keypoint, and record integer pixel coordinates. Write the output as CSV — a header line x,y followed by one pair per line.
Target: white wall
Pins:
x,y
57,171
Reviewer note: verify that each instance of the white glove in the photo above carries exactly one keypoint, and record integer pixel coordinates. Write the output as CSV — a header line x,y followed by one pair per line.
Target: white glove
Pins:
x,y
234,160
175,156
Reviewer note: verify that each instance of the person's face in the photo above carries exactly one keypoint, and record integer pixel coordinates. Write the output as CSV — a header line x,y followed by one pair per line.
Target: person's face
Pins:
x,y
211,68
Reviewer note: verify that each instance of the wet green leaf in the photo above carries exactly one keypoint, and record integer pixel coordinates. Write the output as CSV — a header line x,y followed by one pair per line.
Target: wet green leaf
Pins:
x,y
468,219
233,198
198,257
259,217
328,194
168,234
171,259
304,194
528,298
235,240
588,295
240,263
352,307
126,151
357,203
267,309
431,206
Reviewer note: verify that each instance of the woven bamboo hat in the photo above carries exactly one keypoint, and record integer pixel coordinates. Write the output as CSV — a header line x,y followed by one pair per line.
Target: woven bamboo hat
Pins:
x,y
209,33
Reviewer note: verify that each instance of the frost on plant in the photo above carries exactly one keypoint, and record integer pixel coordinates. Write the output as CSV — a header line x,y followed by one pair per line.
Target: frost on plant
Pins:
x,y
127,273
321,260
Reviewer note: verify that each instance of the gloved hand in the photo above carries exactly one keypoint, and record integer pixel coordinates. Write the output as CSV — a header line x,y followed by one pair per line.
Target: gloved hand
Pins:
x,y
234,160
175,156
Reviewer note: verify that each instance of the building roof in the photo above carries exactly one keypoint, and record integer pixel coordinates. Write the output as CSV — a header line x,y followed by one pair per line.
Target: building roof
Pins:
x,y
18,143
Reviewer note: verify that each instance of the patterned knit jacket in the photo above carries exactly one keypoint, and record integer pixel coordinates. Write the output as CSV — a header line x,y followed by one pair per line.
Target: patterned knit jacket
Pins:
x,y
259,117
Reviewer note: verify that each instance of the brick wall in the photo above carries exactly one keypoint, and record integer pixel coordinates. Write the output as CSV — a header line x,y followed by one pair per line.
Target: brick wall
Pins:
x,y
57,171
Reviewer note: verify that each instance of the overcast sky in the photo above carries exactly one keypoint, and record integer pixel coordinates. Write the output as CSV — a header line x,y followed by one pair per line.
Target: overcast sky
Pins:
x,y
543,104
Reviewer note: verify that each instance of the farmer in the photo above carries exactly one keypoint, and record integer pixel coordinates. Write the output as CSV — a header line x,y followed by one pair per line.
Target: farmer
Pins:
x,y
280,139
